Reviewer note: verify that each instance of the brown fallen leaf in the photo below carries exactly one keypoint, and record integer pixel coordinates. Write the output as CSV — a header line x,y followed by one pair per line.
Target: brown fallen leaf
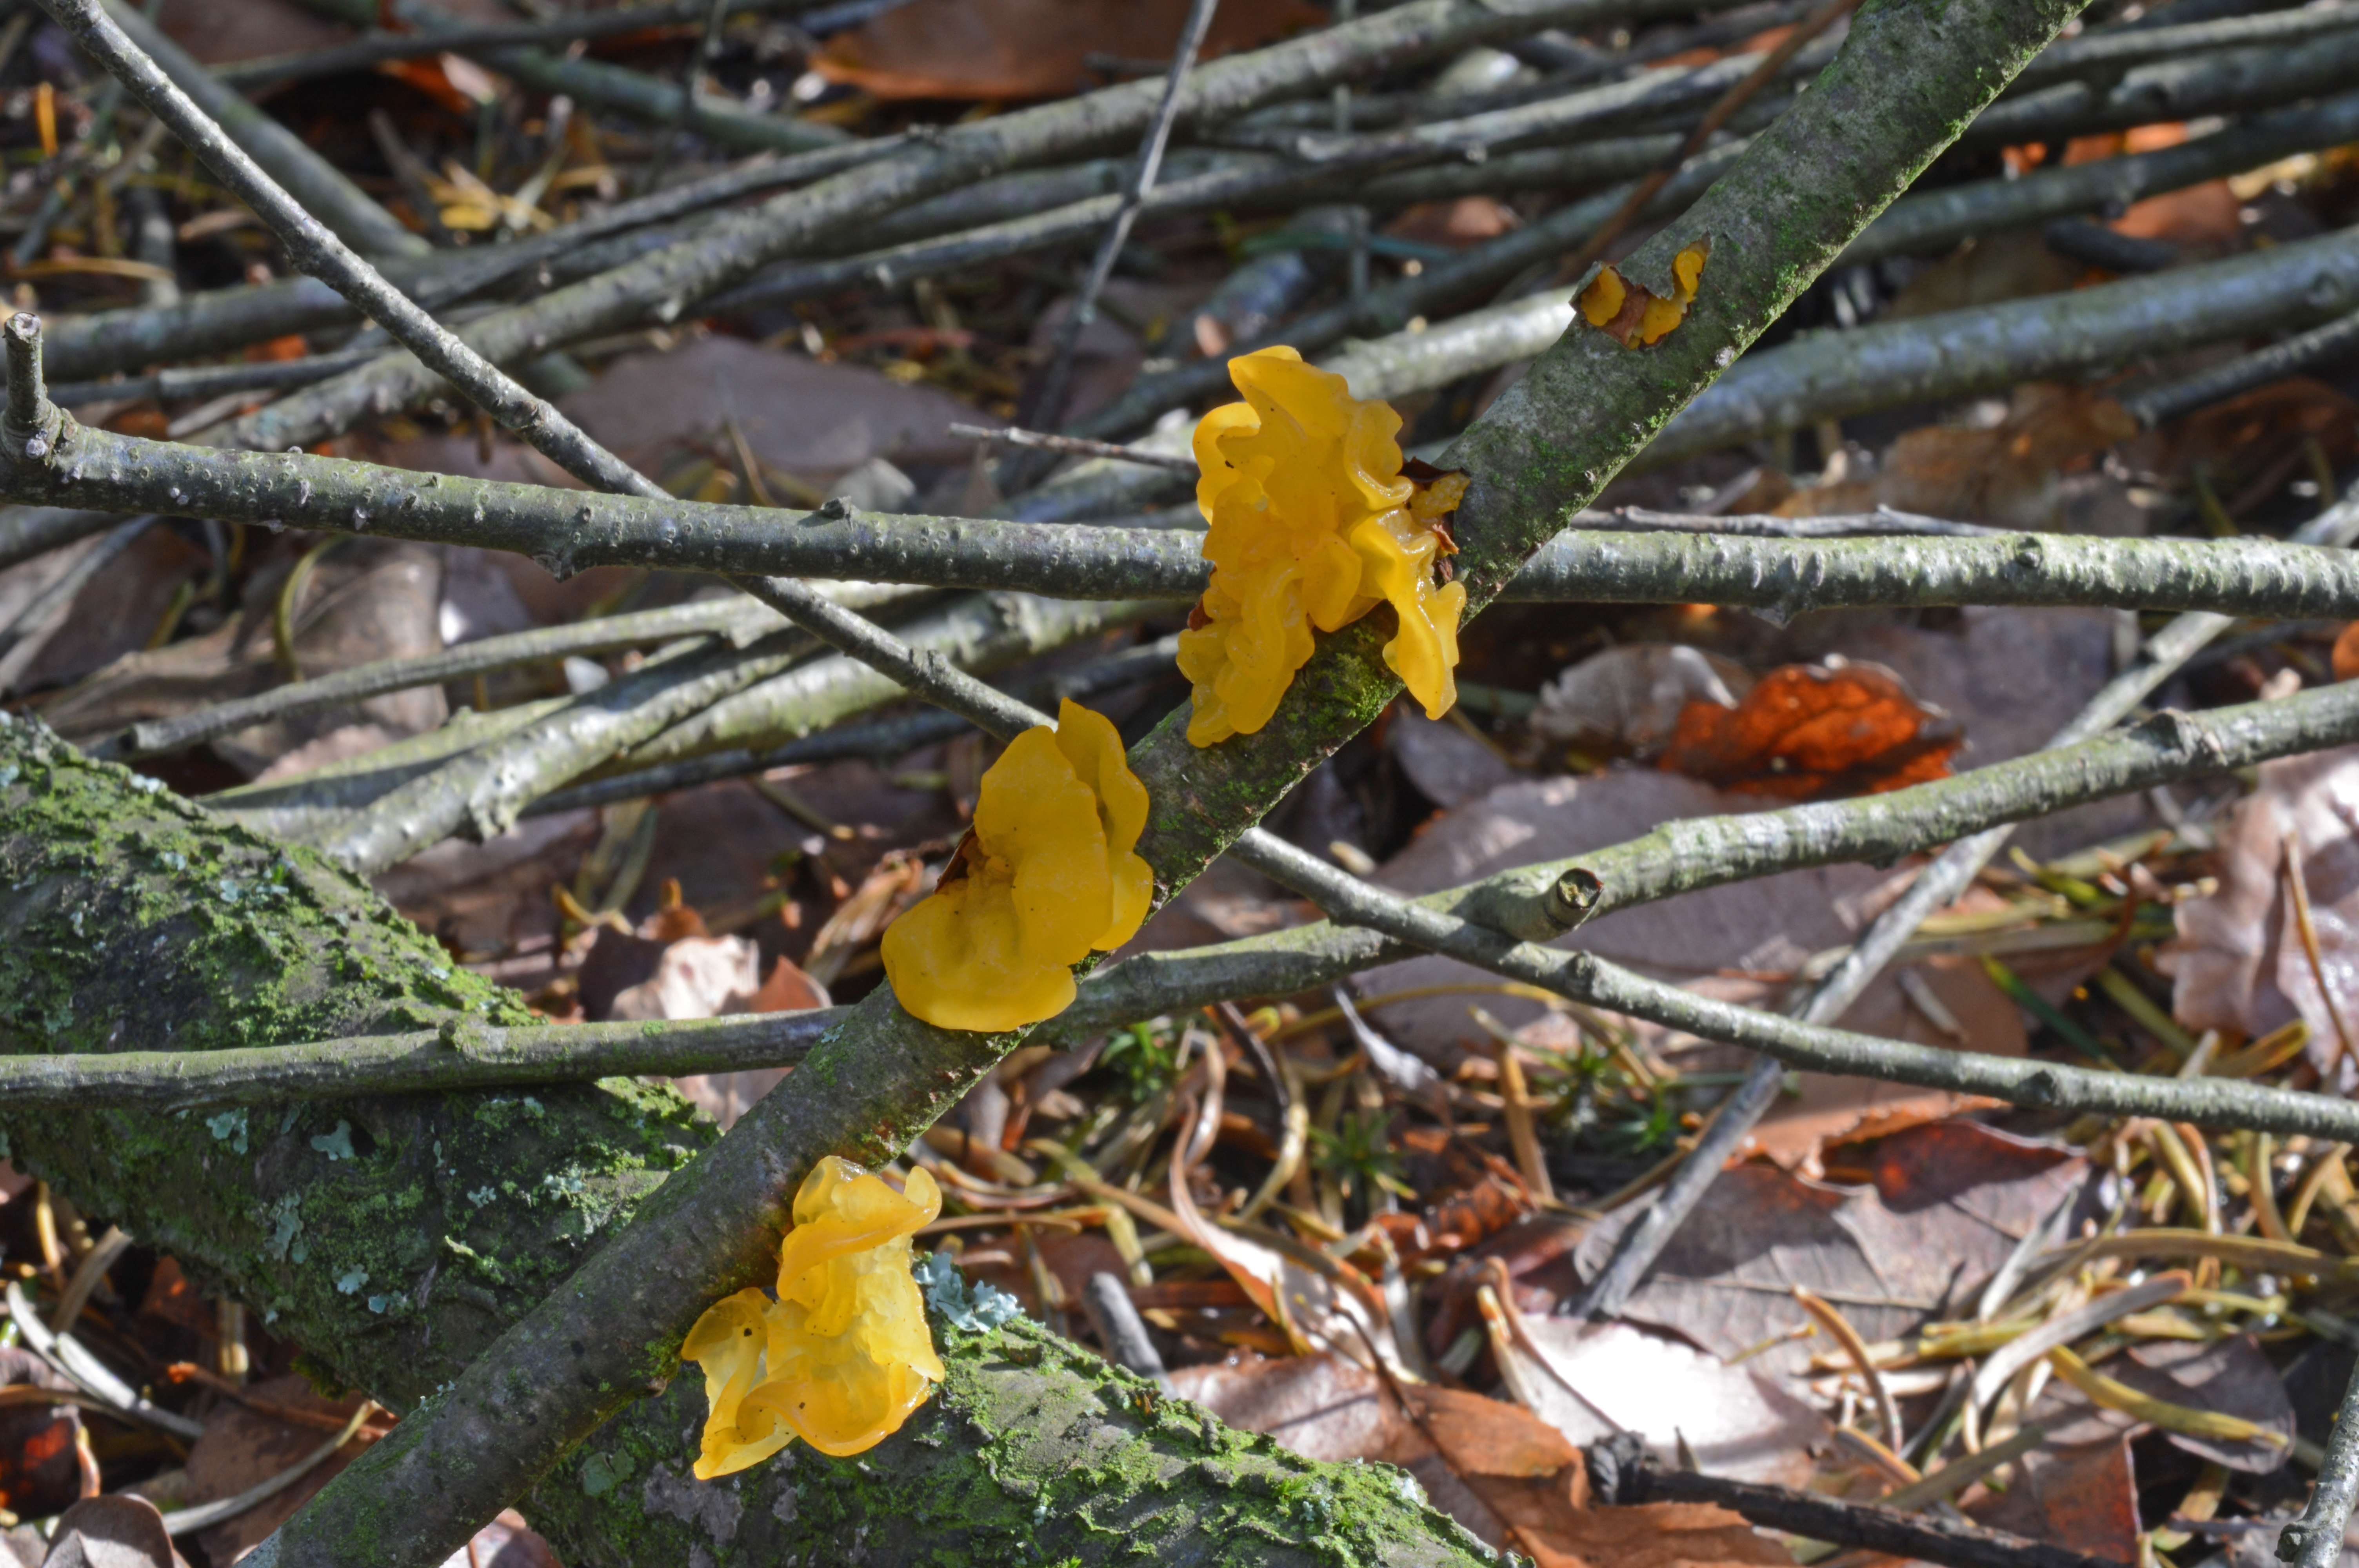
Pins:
x,y
1948,1203
1033,49
2346,652
363,600
1319,1302
1815,732
2004,474
814,420
39,1474
1495,1467
1736,943
242,1448
112,1532
2238,961
1457,224
2083,1499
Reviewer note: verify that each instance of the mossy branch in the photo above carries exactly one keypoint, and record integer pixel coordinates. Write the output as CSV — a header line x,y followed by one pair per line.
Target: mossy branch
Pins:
x,y
394,1233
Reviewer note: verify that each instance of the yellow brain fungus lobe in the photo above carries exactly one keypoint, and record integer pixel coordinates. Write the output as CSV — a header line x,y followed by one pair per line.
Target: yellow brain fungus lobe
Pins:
x,y
1049,873
1632,316
1313,524
843,1355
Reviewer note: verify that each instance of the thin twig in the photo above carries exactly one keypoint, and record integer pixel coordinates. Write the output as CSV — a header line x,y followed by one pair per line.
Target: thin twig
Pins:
x,y
1620,1474
1075,445
1049,402
1773,64
2316,1539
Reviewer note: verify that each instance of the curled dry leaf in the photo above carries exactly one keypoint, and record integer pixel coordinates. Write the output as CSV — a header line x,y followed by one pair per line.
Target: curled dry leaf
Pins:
x,y
2239,962
1319,1302
112,1532
1815,731
1626,701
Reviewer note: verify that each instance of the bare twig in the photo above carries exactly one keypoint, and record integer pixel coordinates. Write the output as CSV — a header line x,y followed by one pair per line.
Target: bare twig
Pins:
x,y
1620,1474
1773,64
2315,1539
1048,401
1074,446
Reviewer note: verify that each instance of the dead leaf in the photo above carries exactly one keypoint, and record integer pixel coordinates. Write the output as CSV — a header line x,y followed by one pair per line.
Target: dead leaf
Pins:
x,y
697,977
1319,1302
111,618
1988,270
2346,652
218,31
1626,700
39,1474
1949,1203
365,599
1815,732
112,1532
2081,1498
1590,1380
2246,439
2238,961
816,421
506,1542
242,1448
1032,49
2006,474
1448,766
1492,1465
2204,218
2230,1376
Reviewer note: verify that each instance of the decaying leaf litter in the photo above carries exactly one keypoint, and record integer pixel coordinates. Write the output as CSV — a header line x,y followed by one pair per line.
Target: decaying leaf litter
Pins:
x,y
1356,1219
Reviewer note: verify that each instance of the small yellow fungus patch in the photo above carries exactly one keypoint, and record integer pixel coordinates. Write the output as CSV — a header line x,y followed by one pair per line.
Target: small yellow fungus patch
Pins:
x,y
1313,524
1635,316
843,1355
1047,873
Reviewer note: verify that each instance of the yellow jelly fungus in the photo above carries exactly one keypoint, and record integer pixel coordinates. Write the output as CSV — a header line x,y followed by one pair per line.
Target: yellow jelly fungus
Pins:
x,y
1602,301
843,1355
1632,316
1312,526
1051,873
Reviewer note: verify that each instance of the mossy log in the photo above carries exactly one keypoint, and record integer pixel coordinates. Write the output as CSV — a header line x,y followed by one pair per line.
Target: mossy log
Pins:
x,y
393,1237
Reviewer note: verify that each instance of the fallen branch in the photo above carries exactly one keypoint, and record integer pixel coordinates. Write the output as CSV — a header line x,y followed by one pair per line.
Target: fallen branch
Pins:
x,y
1621,1475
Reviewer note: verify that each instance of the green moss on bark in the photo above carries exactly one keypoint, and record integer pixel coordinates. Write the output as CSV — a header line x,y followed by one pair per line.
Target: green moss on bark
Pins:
x,y
394,1236
1034,1451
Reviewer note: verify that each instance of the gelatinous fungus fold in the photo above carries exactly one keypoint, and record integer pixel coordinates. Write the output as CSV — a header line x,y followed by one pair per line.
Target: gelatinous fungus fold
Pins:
x,y
1632,316
1048,874
843,1355
1313,524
